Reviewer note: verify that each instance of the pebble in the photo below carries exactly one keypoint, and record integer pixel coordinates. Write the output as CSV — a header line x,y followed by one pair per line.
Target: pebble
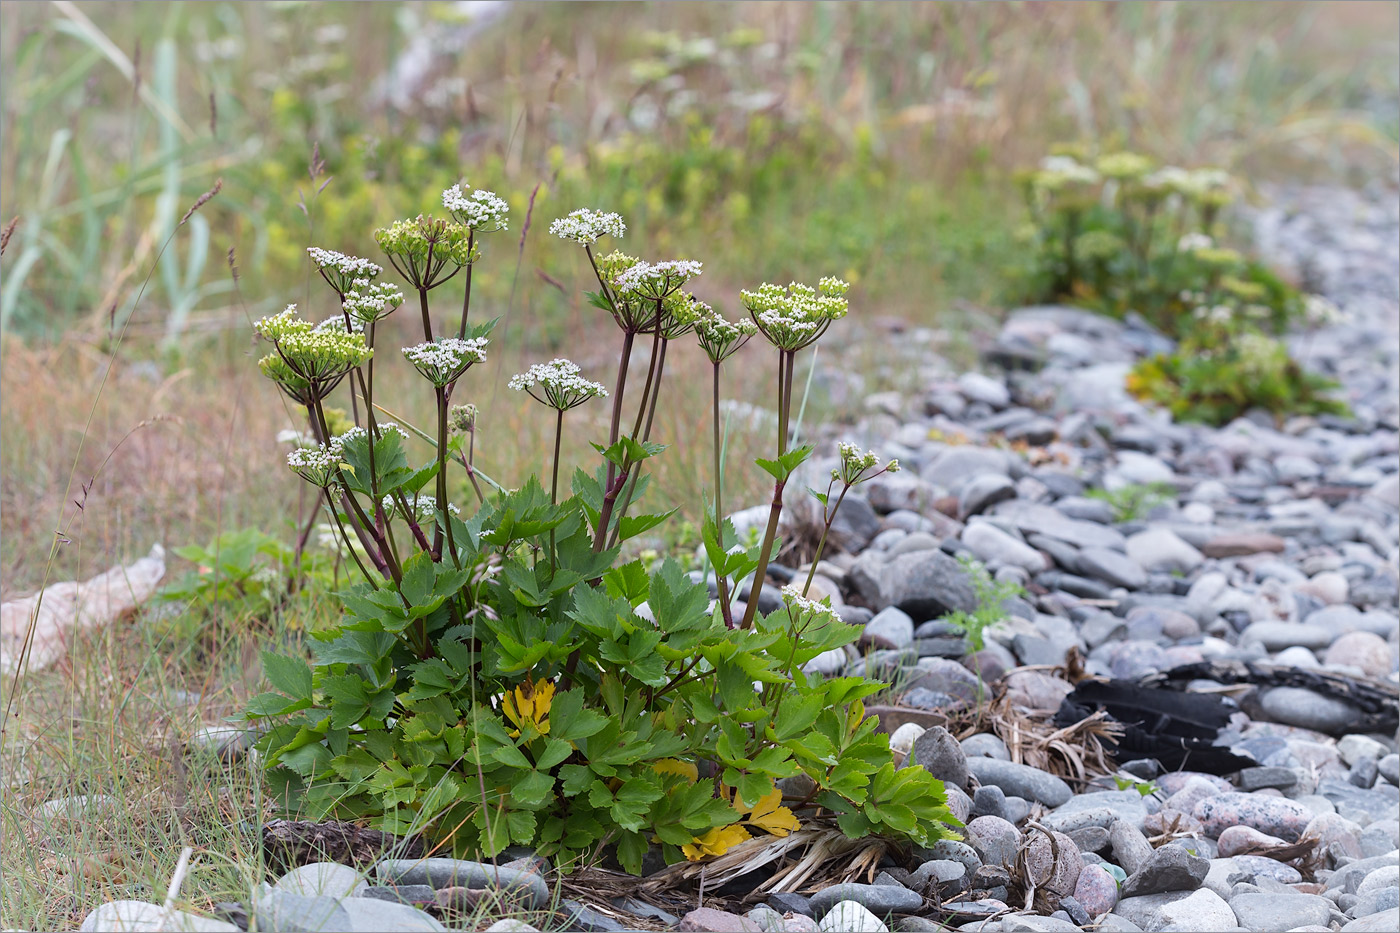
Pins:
x,y
996,840
302,913
1169,868
141,916
328,878
1096,890
710,920
1240,840
940,754
880,899
1200,911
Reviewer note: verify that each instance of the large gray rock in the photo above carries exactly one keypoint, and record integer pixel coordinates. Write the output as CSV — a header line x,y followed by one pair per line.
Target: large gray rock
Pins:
x,y
941,755
879,899
374,915
1275,910
329,878
300,913
1170,868
1295,706
1201,911
924,584
1020,780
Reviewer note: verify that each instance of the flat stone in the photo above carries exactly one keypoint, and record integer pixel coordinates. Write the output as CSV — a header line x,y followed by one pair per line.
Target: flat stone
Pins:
x,y
1241,544
984,491
1020,780
301,913
710,920
851,917
1199,911
139,917
1035,518
956,464
380,916
1275,636
1031,923
990,544
446,872
1259,778
1160,550
1169,868
1112,567
1295,706
1383,922
329,878
1273,911
985,745
880,899
1261,866
410,894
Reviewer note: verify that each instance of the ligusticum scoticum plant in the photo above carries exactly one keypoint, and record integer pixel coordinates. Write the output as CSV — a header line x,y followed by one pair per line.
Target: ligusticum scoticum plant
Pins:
x,y
502,675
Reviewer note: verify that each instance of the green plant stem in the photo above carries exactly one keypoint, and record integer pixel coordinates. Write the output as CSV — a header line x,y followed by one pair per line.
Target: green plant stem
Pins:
x,y
423,307
619,387
442,483
467,296
362,525
326,493
554,481
655,389
821,545
721,580
761,571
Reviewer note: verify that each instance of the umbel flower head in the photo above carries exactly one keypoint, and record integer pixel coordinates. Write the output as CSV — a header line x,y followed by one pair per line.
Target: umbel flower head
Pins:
x,y
680,313
339,270
719,338
797,604
423,506
368,302
656,281
795,317
482,211
443,361
557,384
585,226
857,467
422,249
308,362
317,465
632,313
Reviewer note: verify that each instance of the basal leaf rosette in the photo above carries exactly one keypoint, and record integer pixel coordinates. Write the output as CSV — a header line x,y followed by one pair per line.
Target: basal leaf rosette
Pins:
x,y
442,362
795,317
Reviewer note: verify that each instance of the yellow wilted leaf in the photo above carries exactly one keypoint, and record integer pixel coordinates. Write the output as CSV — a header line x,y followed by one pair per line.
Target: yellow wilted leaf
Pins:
x,y
715,842
685,769
772,817
529,703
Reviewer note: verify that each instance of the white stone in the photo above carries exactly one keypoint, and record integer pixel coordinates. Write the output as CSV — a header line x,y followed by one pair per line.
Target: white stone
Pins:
x,y
1352,748
1160,550
903,738
329,878
990,543
851,917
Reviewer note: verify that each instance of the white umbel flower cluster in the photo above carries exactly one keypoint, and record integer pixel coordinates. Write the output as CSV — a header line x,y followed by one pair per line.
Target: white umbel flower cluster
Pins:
x,y
857,466
586,226
721,338
368,301
341,270
656,281
797,604
482,211
317,465
337,325
424,507
1058,171
443,361
794,317
557,384
1194,241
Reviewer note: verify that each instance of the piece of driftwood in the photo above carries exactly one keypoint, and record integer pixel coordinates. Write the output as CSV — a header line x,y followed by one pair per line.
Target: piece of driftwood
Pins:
x,y
1377,704
292,843
38,629
1178,729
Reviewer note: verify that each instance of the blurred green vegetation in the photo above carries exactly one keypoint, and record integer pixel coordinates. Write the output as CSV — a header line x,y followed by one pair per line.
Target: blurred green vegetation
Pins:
x,y
772,141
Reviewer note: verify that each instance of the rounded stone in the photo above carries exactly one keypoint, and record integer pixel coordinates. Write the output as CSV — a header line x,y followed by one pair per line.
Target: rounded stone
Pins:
x,y
329,878
1020,780
1363,650
1053,865
1096,890
940,754
880,899
985,745
995,840
1241,840
850,917
1275,910
1276,816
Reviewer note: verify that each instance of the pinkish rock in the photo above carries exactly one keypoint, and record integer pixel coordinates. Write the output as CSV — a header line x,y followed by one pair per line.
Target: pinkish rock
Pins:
x,y
1096,891
1241,544
1192,792
1058,874
1329,586
1240,840
1173,781
1277,816
1364,650
709,920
